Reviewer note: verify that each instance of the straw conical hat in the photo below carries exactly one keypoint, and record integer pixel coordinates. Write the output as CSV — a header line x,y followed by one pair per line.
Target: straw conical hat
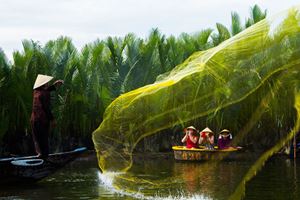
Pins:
x,y
225,131
207,130
191,127
41,80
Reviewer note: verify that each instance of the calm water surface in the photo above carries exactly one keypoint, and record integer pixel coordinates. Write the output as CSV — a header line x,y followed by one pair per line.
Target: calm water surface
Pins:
x,y
160,177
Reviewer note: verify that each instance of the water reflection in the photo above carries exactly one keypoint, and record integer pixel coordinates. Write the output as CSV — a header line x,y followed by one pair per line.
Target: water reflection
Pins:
x,y
166,179
213,179
278,180
189,175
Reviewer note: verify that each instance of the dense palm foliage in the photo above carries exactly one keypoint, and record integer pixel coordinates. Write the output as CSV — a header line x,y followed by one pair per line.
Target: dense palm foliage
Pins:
x,y
256,15
94,76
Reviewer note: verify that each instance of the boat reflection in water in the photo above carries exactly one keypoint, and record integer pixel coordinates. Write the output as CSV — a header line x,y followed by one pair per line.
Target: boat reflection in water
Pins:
x,y
165,178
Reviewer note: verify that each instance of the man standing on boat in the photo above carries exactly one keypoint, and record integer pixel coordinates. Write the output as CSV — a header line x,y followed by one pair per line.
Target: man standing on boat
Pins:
x,y
41,116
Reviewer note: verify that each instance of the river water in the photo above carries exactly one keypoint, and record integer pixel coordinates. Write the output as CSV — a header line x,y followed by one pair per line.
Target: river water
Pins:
x,y
160,177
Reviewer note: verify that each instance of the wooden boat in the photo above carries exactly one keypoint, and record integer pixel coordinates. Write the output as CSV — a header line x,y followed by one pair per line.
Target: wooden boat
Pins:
x,y
201,153
31,168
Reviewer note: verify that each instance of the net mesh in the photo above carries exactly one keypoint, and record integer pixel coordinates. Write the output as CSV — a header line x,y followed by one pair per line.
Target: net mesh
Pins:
x,y
248,83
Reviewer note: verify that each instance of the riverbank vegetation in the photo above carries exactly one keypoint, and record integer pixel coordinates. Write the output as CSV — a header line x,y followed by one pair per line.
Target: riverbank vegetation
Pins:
x,y
94,77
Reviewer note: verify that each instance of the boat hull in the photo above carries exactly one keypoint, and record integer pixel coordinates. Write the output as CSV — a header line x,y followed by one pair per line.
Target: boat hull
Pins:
x,y
32,169
184,154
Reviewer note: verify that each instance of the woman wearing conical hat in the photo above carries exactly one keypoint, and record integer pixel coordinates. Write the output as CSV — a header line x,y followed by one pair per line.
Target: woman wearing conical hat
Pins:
x,y
41,116
207,138
190,137
224,139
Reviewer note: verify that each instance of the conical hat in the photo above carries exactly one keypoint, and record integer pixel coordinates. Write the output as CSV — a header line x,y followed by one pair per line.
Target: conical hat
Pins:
x,y
191,127
41,80
224,131
207,130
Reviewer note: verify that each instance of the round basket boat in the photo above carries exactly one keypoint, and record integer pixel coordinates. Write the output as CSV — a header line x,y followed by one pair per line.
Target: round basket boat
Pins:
x,y
201,154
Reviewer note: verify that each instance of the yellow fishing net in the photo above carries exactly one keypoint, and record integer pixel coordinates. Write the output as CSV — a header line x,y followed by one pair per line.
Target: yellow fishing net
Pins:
x,y
248,83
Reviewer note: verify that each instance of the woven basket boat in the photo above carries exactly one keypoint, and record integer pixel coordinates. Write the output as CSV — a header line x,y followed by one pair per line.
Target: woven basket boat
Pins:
x,y
203,154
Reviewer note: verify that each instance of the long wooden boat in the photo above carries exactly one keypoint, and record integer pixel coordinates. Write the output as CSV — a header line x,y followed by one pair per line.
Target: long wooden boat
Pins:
x,y
16,170
202,154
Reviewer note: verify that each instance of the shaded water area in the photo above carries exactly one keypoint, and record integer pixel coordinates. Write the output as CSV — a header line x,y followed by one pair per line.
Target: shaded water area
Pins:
x,y
279,179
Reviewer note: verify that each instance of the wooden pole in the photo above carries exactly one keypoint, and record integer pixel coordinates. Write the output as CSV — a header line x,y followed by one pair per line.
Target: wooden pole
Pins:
x,y
295,146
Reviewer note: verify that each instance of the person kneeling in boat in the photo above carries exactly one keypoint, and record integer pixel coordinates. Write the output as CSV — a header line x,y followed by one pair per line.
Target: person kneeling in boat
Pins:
x,y
224,139
207,138
190,137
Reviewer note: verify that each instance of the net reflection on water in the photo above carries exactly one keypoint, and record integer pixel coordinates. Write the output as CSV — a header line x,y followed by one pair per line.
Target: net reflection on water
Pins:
x,y
81,179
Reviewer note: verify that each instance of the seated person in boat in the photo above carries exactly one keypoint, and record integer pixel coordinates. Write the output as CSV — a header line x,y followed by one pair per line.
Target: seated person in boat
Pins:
x,y
224,139
207,138
190,137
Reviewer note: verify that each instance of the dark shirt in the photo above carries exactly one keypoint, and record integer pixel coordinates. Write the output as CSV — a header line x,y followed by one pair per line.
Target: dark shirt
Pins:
x,y
41,110
224,142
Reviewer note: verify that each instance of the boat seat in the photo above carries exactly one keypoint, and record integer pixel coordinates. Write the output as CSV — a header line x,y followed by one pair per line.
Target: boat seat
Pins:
x,y
27,162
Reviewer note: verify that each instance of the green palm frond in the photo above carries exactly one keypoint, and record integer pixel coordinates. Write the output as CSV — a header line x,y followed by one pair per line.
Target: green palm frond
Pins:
x,y
201,39
222,35
236,25
256,15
